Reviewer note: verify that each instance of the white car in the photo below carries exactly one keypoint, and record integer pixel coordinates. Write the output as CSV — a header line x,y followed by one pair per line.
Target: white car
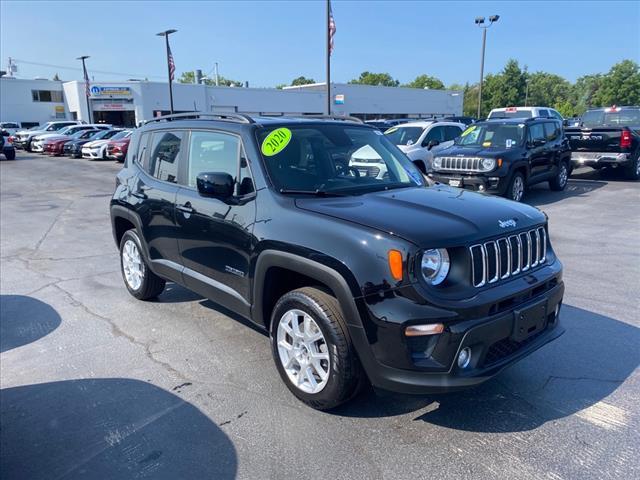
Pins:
x,y
525,112
97,149
419,140
24,137
37,143
11,127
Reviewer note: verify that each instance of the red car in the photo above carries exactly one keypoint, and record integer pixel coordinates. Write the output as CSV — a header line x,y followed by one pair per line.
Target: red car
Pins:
x,y
117,147
55,147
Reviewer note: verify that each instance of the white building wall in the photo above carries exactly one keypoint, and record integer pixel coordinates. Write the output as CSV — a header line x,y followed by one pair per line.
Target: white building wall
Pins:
x,y
17,105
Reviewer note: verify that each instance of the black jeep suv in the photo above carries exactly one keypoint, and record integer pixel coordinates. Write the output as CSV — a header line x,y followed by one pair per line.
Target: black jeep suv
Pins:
x,y
411,287
505,156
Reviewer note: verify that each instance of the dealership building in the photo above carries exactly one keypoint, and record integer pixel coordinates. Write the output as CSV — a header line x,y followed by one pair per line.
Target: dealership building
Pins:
x,y
32,102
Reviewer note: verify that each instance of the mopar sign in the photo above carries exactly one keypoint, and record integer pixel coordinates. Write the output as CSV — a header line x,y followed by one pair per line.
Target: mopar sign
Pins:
x,y
99,91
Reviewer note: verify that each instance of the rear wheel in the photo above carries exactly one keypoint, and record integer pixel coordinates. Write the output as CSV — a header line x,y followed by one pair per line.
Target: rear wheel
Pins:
x,y
559,182
141,282
312,349
632,171
515,190
11,154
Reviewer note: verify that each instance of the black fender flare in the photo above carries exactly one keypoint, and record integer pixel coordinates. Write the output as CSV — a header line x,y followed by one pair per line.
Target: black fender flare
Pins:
x,y
305,266
119,211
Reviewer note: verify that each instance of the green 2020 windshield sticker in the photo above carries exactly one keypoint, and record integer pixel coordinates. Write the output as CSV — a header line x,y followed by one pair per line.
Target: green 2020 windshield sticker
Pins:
x,y
276,141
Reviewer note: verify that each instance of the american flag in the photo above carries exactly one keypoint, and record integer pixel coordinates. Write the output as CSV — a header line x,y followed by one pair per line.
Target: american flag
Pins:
x,y
332,29
87,87
172,66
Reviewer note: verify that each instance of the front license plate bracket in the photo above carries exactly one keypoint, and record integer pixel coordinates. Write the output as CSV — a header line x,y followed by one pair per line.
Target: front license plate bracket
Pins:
x,y
529,320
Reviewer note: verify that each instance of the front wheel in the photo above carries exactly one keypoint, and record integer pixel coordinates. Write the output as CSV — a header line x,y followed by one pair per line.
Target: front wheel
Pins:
x,y
559,182
516,188
141,282
10,155
312,349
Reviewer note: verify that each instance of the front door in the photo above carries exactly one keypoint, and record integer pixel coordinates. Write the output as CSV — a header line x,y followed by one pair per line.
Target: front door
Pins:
x,y
538,154
216,236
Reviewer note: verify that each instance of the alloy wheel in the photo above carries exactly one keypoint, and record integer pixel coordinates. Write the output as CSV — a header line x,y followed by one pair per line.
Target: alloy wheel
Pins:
x,y
517,191
132,264
303,351
563,176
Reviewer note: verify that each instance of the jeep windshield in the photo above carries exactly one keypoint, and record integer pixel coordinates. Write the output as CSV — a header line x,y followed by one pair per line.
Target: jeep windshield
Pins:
x,y
404,135
334,159
611,118
497,135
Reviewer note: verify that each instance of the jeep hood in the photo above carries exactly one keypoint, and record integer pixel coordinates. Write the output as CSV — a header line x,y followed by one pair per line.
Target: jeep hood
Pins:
x,y
436,216
476,151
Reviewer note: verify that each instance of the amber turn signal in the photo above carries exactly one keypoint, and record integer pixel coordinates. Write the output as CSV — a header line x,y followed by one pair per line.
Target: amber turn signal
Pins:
x,y
395,264
421,330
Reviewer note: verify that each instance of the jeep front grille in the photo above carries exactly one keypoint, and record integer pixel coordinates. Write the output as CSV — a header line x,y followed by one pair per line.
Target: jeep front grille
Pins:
x,y
467,164
507,256
368,171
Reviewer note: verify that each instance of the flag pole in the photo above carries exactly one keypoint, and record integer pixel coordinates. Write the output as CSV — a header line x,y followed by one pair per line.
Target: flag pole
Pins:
x,y
328,57
166,34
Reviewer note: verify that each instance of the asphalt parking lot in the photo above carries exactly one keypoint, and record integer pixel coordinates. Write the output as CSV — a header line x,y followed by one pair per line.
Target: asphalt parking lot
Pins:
x,y
95,384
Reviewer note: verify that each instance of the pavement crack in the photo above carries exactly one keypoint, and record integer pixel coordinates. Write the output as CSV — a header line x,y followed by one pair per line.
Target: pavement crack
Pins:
x,y
588,379
55,220
118,332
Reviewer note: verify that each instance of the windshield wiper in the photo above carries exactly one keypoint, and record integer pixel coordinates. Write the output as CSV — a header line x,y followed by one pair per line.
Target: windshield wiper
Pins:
x,y
317,192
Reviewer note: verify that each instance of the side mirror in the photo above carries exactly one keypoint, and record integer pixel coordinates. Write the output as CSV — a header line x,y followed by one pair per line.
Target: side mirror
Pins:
x,y
565,123
432,143
538,142
215,184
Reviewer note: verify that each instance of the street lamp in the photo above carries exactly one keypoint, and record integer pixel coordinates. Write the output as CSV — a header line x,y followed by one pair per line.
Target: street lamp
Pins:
x,y
480,22
171,67
86,85
526,95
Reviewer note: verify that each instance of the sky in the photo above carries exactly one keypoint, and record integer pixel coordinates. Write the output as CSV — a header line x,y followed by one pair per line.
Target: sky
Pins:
x,y
271,42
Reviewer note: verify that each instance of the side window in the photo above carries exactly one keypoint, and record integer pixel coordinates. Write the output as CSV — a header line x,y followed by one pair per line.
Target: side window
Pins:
x,y
536,132
556,115
245,184
452,132
163,155
141,155
544,113
436,133
551,131
213,152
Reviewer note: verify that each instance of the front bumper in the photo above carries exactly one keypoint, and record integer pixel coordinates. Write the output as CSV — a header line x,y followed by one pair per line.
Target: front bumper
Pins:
x,y
593,159
90,153
471,181
496,340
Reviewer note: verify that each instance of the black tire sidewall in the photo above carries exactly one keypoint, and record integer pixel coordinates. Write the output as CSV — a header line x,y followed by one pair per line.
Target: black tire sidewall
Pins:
x,y
509,192
334,388
132,235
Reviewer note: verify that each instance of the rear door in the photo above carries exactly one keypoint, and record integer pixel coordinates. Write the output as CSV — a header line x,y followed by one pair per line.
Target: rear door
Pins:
x,y
215,236
155,189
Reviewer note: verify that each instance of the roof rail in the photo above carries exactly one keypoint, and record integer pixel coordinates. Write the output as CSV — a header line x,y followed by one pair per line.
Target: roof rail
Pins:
x,y
226,117
345,118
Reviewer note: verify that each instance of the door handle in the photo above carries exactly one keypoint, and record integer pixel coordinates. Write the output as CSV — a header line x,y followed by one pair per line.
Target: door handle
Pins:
x,y
186,208
140,192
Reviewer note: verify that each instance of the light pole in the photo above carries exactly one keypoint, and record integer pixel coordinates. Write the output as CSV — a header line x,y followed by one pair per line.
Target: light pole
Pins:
x,y
171,67
87,92
526,92
480,22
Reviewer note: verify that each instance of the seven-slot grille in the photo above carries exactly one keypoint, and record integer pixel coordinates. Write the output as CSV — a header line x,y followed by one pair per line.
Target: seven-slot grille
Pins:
x,y
368,171
469,164
507,256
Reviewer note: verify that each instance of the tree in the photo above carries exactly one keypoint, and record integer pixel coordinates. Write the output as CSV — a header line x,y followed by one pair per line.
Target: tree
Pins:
x,y
547,89
56,78
382,79
426,81
584,92
190,77
621,86
302,81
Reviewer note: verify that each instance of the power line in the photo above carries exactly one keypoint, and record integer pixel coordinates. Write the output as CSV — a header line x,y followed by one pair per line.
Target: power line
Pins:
x,y
62,67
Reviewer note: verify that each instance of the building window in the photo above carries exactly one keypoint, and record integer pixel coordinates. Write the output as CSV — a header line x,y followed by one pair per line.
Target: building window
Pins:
x,y
47,96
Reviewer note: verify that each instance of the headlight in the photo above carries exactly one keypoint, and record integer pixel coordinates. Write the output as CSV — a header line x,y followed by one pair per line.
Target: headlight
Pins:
x,y
435,265
488,164
437,163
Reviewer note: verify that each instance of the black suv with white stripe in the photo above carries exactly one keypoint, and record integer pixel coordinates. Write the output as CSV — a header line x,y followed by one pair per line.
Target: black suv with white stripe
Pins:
x,y
356,279
506,156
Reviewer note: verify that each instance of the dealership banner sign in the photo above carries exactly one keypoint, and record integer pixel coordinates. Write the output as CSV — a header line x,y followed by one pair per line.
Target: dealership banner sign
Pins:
x,y
100,91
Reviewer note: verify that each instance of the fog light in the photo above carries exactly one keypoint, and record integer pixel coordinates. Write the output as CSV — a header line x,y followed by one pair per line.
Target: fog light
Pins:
x,y
557,312
464,357
481,188
421,330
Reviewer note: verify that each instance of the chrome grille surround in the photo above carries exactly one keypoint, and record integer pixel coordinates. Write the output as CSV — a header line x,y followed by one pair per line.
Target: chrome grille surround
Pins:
x,y
465,164
507,256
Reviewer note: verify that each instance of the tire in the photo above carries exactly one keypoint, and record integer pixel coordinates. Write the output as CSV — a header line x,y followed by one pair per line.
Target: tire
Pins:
x,y
27,146
516,188
145,284
559,182
344,374
11,155
632,171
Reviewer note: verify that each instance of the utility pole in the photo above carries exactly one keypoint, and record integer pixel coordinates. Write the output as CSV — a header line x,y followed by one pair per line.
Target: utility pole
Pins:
x,y
480,22
217,76
87,89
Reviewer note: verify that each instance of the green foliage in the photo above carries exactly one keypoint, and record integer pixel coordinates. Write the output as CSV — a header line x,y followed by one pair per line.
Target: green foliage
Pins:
x,y
426,81
190,77
382,79
302,81
621,86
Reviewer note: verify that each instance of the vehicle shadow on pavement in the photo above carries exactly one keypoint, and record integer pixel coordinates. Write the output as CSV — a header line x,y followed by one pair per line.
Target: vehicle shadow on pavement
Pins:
x,y
540,195
108,428
576,372
24,320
